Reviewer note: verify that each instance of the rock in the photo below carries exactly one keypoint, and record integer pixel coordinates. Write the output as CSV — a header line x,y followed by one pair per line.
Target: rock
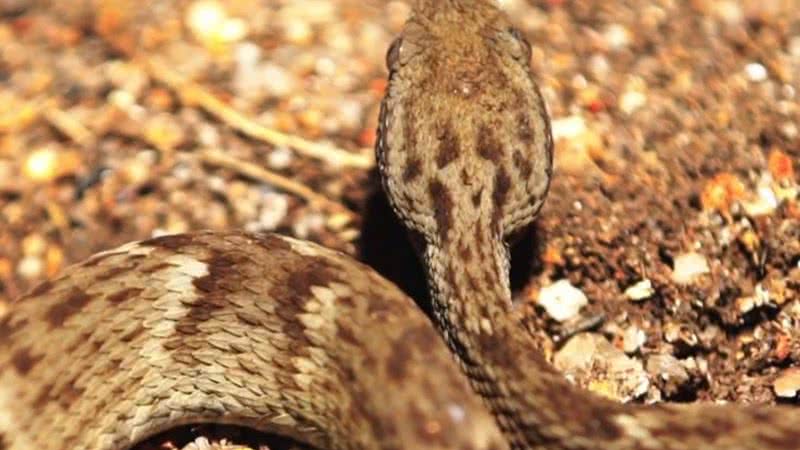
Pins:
x,y
630,101
633,338
755,72
568,127
689,266
48,163
680,333
668,370
280,158
617,36
764,203
30,267
787,383
562,300
590,360
666,367
640,291
760,297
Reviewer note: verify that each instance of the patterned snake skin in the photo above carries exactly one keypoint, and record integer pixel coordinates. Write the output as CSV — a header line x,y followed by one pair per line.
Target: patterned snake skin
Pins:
x,y
287,337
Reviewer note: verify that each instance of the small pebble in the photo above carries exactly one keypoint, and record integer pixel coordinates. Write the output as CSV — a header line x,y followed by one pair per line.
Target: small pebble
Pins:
x,y
568,127
599,66
676,332
640,291
630,101
633,338
274,209
755,72
276,80
297,31
350,113
41,165
788,383
47,164
763,204
596,364
280,158
562,300
747,303
207,135
669,370
794,47
790,130
688,267
307,224
617,36
729,11
30,267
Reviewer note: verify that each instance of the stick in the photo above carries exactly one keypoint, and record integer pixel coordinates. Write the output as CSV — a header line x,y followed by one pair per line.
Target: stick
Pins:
x,y
194,93
219,158
68,125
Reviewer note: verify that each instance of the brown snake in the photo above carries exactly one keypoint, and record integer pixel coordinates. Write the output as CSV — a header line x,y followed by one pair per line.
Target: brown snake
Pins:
x,y
285,336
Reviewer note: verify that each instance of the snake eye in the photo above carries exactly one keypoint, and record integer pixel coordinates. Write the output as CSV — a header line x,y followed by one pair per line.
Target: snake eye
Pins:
x,y
524,46
393,54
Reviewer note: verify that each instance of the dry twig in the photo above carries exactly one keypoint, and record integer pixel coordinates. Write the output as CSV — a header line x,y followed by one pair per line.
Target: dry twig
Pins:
x,y
219,158
195,94
67,124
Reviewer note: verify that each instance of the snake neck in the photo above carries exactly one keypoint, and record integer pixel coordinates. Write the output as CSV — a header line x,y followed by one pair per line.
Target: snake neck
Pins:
x,y
535,406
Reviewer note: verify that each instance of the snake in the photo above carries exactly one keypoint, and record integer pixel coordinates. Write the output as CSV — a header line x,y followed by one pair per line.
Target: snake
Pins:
x,y
285,336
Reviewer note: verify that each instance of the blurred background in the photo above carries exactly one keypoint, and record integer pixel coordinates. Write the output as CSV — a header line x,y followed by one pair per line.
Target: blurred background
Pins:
x,y
671,236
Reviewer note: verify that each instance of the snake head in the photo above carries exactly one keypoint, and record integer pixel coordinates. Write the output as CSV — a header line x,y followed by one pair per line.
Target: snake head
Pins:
x,y
463,136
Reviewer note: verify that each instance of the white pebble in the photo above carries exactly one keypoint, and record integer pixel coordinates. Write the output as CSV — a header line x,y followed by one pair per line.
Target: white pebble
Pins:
x,y
568,127
297,31
456,412
207,135
280,158
633,338
325,66
755,72
30,267
274,210
596,364
794,47
689,266
307,224
616,36
351,113
599,66
204,15
788,383
216,184
276,80
247,55
640,291
729,11
764,204
789,129
630,101
562,300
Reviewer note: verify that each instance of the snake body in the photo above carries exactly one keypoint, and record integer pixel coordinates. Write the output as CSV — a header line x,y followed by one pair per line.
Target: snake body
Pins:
x,y
267,332
285,336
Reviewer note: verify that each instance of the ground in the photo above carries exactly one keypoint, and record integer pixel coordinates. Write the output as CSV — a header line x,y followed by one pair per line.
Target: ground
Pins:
x,y
674,210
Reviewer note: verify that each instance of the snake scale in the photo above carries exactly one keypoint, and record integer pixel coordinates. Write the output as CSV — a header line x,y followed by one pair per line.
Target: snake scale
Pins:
x,y
285,336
